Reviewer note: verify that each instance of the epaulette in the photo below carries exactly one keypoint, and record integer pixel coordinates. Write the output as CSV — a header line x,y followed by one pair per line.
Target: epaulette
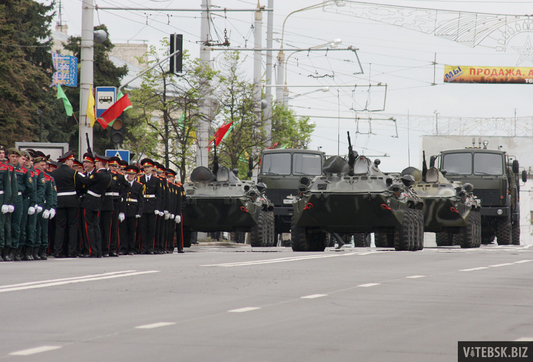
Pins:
x,y
140,183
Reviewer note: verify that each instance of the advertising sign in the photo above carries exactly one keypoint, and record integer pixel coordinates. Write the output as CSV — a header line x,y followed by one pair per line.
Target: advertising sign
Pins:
x,y
479,74
67,70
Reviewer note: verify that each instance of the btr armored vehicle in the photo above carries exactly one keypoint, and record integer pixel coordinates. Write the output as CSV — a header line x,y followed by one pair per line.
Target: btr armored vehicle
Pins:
x,y
281,170
496,179
450,208
222,202
356,197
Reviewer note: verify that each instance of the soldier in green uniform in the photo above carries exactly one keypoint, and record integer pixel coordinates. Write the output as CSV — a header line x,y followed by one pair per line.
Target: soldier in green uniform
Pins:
x,y
24,190
35,208
49,204
5,198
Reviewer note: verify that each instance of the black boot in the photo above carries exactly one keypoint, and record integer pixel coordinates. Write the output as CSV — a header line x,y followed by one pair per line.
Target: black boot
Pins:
x,y
42,254
17,254
7,254
36,254
26,253
1,254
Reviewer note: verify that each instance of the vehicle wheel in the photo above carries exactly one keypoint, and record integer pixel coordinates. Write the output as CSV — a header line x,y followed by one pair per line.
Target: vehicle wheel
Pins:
x,y
361,240
299,240
186,238
270,239
420,230
516,232
444,238
317,241
404,235
384,240
469,236
503,231
258,233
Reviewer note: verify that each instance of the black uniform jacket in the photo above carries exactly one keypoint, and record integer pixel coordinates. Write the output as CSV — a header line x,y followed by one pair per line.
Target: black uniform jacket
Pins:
x,y
134,199
67,182
97,184
152,194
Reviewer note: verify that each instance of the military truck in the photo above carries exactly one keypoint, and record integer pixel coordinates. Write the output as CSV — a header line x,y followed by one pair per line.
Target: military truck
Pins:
x,y
281,170
219,201
495,176
355,197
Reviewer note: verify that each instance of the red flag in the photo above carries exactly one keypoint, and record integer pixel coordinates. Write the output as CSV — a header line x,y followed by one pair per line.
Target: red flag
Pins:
x,y
219,134
114,111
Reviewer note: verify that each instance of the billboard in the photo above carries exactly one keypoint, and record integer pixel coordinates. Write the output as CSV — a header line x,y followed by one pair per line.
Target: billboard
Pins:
x,y
66,67
480,74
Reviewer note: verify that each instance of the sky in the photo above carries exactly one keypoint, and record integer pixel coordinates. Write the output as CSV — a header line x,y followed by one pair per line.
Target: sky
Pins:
x,y
405,67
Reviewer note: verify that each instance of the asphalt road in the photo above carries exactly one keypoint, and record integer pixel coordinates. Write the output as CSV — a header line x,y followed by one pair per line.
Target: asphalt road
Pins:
x,y
235,303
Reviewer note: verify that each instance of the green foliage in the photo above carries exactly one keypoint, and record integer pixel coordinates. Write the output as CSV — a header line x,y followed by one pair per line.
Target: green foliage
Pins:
x,y
25,73
289,130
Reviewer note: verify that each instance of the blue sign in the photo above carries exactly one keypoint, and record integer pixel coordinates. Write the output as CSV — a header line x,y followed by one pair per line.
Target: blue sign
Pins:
x,y
67,70
104,98
122,154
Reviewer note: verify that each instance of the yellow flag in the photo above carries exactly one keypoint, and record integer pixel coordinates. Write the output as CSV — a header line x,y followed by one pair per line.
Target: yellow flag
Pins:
x,y
90,107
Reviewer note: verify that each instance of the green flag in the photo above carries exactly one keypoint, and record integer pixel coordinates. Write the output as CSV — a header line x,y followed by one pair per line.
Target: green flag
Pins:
x,y
66,102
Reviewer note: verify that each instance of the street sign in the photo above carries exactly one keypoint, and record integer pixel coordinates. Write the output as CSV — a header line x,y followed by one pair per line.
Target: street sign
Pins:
x,y
104,98
122,154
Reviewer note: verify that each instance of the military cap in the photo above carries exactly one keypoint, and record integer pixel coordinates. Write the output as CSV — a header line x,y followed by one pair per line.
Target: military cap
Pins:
x,y
132,169
170,172
13,151
123,164
88,157
100,158
31,151
114,161
78,163
67,156
2,148
38,156
26,154
147,162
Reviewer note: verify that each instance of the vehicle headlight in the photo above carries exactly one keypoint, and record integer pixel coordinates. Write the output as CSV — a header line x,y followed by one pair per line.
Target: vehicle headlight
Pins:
x,y
499,212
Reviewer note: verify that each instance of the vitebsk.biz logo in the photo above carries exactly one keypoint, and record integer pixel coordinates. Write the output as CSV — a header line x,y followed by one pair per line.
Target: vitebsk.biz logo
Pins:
x,y
495,351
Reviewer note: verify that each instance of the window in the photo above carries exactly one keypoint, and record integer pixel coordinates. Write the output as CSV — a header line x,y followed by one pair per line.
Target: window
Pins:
x,y
488,164
457,163
276,164
305,164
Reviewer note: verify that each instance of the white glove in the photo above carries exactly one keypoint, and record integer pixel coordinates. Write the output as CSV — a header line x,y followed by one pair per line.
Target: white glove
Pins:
x,y
46,214
156,212
11,208
5,209
161,213
31,210
166,212
52,213
39,208
172,216
137,216
167,215
178,219
121,217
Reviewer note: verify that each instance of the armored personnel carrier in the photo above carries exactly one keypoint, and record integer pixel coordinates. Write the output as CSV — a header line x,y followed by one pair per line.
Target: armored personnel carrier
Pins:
x,y
220,201
450,208
356,197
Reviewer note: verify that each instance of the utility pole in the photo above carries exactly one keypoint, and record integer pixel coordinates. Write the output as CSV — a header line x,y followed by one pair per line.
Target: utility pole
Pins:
x,y
206,108
86,73
258,27
268,90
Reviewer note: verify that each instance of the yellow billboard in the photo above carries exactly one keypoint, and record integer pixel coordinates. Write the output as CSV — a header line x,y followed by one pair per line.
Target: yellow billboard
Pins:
x,y
480,74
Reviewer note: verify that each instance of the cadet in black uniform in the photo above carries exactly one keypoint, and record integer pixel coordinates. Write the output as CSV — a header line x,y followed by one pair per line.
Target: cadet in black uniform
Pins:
x,y
67,181
152,207
116,191
97,184
133,209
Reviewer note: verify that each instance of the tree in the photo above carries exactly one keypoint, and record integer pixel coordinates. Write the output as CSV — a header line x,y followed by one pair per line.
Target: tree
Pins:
x,y
289,131
26,73
105,74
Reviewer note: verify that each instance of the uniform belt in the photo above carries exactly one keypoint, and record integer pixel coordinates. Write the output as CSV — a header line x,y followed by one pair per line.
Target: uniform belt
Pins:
x,y
1,192
93,193
112,194
66,193
131,200
150,196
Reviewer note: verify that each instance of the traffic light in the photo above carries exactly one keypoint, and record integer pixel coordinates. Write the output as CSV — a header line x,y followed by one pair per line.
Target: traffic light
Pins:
x,y
117,129
176,61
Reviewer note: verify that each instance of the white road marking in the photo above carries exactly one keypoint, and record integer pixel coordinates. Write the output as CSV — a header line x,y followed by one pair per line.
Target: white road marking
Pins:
x,y
367,285
286,260
522,261
73,280
415,276
35,350
473,269
313,296
499,265
242,310
524,339
156,325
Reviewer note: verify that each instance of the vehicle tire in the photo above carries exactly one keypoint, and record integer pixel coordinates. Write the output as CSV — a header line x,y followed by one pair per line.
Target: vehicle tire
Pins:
x,y
469,237
419,238
361,240
299,241
444,238
270,239
317,241
404,234
516,232
503,231
186,238
258,233
383,240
